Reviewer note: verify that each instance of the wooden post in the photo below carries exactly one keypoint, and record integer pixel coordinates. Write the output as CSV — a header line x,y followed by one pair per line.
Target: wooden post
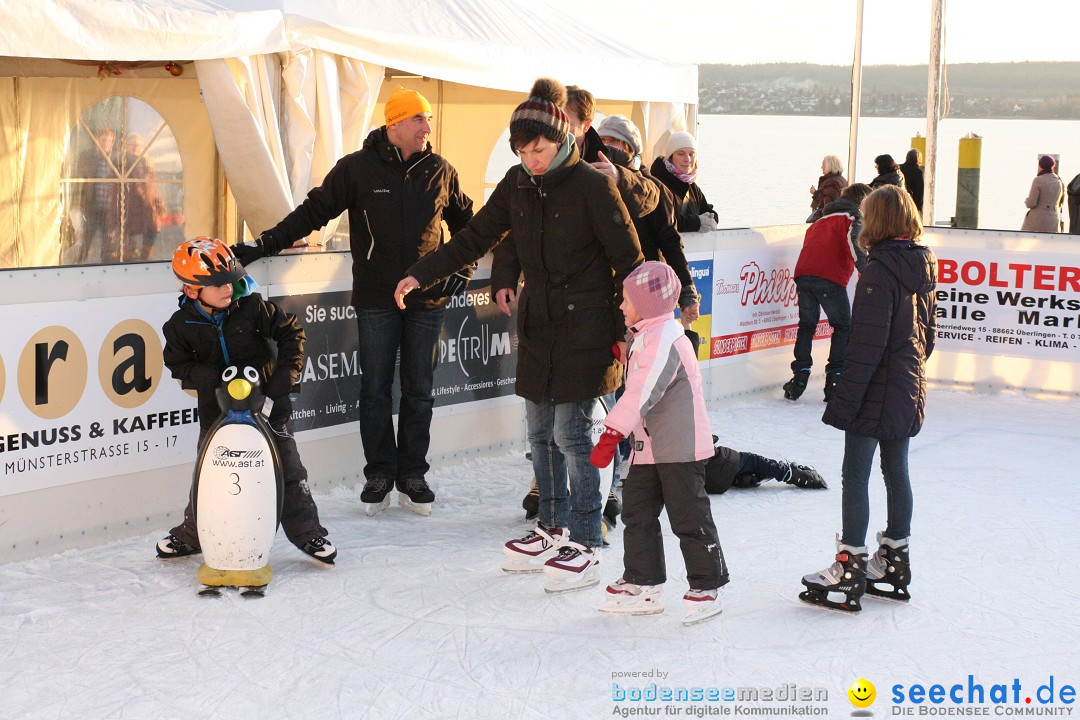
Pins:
x,y
933,106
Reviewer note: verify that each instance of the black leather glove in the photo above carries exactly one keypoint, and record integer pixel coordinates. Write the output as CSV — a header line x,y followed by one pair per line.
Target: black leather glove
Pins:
x,y
278,385
247,253
688,296
457,282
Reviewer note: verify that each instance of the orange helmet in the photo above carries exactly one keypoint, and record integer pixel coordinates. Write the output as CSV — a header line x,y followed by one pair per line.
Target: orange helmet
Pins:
x,y
206,261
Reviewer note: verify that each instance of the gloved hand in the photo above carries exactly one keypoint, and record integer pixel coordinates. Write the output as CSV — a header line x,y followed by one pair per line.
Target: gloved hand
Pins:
x,y
247,253
708,222
278,385
688,296
616,351
604,452
457,282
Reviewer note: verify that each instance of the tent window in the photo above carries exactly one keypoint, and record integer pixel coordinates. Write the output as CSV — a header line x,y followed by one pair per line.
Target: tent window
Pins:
x,y
122,185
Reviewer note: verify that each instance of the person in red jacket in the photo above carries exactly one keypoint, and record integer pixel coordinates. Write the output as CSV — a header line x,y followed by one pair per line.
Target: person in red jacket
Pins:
x,y
830,254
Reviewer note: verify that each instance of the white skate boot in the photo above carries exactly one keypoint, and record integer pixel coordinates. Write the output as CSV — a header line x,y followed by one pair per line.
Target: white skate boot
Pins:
x,y
626,598
701,605
528,554
574,568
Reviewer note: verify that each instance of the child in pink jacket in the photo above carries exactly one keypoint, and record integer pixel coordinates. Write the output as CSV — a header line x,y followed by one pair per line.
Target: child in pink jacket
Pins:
x,y
663,411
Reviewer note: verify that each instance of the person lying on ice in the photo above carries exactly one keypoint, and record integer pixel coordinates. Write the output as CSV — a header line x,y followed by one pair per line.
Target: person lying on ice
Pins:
x,y
730,468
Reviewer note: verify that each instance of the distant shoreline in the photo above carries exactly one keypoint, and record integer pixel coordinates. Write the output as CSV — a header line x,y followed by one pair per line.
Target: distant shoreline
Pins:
x,y
894,117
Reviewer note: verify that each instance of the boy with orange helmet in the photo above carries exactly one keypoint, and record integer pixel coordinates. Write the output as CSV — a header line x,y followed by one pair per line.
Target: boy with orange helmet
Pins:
x,y
221,321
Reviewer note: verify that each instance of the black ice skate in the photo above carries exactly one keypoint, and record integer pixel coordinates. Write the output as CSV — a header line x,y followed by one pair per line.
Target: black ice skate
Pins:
x,y
414,494
376,495
173,547
612,510
888,573
831,378
531,503
805,477
321,549
796,386
846,577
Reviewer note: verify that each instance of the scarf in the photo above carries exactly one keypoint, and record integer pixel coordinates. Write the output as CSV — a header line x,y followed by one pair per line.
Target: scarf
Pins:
x,y
687,178
559,159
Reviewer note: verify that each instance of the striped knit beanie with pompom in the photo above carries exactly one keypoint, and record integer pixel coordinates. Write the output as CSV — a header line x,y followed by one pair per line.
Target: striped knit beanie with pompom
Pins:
x,y
542,112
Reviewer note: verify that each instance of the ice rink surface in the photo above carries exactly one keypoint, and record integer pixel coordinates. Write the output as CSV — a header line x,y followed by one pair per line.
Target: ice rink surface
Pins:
x,y
417,621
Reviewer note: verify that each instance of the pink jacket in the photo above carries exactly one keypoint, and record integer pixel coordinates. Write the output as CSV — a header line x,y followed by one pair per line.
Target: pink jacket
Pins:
x,y
663,405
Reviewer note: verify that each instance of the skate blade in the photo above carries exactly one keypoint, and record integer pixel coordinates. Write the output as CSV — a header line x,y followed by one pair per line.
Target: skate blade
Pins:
x,y
891,594
373,508
253,591
523,566
423,509
556,585
210,591
696,618
821,600
615,608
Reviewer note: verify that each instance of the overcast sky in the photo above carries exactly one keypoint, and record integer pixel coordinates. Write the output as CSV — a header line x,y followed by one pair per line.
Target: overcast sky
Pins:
x,y
823,31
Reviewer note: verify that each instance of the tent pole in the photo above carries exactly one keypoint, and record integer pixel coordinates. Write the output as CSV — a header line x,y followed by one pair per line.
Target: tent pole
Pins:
x,y
856,93
933,106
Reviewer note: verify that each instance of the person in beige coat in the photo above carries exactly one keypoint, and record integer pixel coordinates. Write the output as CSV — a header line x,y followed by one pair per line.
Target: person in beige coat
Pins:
x,y
1044,200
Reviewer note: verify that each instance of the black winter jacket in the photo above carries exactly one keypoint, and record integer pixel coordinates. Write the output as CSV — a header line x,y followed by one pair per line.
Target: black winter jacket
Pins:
x,y
576,244
913,181
396,210
197,350
690,202
889,177
882,391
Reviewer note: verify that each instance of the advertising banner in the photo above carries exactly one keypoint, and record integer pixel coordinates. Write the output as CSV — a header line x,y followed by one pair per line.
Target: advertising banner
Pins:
x,y
84,393
754,300
701,269
997,302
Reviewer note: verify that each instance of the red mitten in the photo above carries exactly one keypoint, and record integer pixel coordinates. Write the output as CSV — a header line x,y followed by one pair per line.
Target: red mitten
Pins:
x,y
616,351
604,452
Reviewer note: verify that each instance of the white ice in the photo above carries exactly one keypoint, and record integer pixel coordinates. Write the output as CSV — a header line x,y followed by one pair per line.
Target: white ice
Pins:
x,y
417,621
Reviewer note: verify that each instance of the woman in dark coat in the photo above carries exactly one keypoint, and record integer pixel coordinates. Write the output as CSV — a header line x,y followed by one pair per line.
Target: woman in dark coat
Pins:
x,y
913,176
880,398
829,186
576,244
678,169
888,172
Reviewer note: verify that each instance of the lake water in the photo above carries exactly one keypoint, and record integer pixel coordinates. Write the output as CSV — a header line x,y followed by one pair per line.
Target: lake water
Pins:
x,y
757,169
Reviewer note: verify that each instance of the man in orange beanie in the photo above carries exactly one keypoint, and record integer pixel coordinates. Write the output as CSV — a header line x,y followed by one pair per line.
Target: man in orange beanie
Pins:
x,y
397,193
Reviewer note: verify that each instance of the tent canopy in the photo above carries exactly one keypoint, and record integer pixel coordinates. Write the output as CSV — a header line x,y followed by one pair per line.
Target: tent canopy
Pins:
x,y
484,43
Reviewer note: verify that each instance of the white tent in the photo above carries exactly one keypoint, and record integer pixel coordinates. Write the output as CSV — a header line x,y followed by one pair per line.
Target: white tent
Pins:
x,y
290,86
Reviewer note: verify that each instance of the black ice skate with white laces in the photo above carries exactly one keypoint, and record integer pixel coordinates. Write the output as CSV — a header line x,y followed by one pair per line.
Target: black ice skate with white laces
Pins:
x,y
376,495
627,598
805,477
841,585
888,573
414,494
574,568
173,547
529,553
321,549
796,386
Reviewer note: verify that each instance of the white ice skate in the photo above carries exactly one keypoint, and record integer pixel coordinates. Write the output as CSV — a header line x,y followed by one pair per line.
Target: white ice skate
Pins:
x,y
625,598
374,508
528,554
701,605
415,495
376,495
574,568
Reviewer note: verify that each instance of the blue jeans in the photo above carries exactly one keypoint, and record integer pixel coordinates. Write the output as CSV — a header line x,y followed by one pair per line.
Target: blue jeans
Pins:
x,y
817,294
858,461
561,443
383,335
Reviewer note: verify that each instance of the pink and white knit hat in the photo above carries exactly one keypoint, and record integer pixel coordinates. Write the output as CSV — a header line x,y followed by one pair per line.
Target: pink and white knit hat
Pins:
x,y
653,287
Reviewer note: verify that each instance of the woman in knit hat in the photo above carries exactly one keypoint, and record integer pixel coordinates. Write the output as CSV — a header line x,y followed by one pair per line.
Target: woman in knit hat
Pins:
x,y
1045,199
677,168
575,242
667,466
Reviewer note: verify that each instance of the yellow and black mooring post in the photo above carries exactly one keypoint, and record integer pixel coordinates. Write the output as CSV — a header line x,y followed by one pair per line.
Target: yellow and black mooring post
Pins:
x,y
967,181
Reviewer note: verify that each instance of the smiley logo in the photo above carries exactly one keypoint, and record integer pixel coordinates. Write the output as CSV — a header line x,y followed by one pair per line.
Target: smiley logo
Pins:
x,y
862,693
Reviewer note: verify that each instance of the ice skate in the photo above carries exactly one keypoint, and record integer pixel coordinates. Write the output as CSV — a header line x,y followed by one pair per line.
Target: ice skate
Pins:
x,y
321,549
173,547
612,510
888,572
528,554
376,495
414,494
832,377
574,568
846,577
701,605
625,598
805,477
796,386
531,503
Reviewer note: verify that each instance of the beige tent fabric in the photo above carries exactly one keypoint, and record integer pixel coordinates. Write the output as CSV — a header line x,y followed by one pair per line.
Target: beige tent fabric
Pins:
x,y
281,122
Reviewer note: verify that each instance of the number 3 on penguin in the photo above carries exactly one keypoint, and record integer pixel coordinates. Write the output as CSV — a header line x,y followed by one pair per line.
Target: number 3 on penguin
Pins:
x,y
236,482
